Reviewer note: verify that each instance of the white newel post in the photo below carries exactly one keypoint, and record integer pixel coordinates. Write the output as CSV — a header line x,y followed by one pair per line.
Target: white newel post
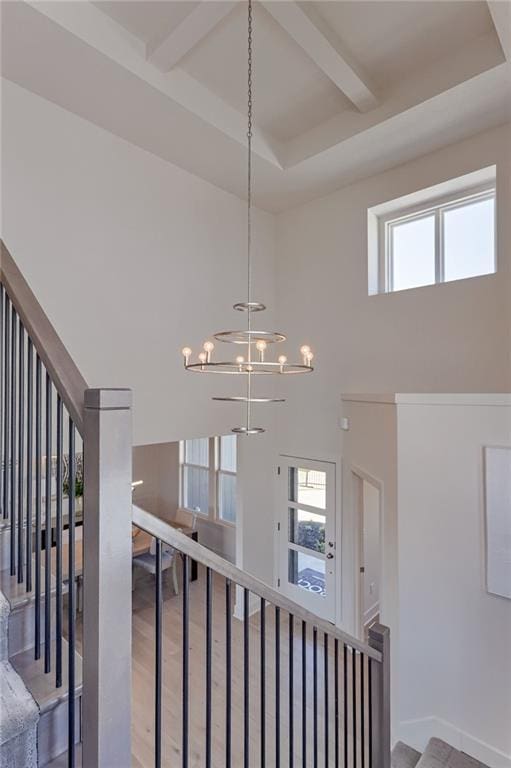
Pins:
x,y
106,715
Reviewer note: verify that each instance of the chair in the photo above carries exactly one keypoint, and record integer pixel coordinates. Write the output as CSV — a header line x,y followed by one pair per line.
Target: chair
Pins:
x,y
147,562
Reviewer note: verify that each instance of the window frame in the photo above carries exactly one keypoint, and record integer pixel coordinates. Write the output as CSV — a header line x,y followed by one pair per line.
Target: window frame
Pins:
x,y
214,471
438,207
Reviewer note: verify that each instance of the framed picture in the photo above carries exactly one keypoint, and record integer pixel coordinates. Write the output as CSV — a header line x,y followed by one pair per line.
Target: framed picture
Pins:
x,y
498,519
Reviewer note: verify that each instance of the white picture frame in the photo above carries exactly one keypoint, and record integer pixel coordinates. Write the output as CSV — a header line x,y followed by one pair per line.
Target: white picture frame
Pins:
x,y
497,464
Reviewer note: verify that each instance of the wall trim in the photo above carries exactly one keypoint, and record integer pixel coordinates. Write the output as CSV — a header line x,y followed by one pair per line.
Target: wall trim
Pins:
x,y
418,732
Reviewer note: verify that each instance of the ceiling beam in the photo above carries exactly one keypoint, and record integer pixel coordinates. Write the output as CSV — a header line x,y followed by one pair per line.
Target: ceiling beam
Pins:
x,y
501,16
188,34
314,36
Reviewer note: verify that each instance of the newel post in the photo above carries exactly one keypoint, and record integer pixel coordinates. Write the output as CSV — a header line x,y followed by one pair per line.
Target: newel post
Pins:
x,y
106,714
379,639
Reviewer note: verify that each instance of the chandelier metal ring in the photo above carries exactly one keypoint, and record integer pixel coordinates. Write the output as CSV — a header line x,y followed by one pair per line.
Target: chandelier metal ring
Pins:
x,y
242,399
249,337
249,306
254,368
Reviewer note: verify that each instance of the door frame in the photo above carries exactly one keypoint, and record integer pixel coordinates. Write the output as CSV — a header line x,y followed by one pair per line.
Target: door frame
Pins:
x,y
358,477
328,465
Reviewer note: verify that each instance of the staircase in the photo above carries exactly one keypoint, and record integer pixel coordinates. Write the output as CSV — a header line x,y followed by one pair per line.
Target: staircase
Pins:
x,y
59,709
438,754
33,711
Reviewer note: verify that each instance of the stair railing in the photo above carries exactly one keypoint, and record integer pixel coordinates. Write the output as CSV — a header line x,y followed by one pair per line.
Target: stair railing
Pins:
x,y
280,687
48,418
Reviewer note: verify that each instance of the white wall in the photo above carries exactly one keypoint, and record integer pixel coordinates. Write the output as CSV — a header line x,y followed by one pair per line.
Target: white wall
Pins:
x,y
133,258
455,638
448,338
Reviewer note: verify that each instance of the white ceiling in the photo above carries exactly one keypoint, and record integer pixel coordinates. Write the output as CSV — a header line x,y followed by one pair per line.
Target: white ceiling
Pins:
x,y
342,89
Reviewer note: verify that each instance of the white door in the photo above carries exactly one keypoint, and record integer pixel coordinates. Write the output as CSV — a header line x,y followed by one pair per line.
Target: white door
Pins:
x,y
306,534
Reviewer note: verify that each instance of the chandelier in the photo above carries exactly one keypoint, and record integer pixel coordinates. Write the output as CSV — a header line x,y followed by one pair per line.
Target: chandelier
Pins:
x,y
252,344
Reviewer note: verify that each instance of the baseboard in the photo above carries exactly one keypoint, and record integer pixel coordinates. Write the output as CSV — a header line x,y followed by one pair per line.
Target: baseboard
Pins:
x,y
417,733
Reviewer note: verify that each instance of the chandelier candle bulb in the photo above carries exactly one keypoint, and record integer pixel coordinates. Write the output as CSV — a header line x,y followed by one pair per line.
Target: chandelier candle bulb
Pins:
x,y
208,349
261,346
252,364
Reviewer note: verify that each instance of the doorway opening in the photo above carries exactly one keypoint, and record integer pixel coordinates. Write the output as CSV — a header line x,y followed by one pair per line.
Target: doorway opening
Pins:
x,y
368,499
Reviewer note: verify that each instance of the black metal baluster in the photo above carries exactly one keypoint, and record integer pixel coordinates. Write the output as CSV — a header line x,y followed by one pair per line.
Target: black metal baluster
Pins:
x,y
14,337
58,550
186,660
30,458
291,692
277,687
362,713
325,684
38,504
21,447
48,531
158,657
370,711
228,668
246,678
3,299
315,696
263,681
354,703
336,702
304,694
345,703
6,407
71,595
209,648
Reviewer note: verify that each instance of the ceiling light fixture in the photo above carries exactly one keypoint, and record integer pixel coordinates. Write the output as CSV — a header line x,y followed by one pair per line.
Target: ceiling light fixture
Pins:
x,y
253,362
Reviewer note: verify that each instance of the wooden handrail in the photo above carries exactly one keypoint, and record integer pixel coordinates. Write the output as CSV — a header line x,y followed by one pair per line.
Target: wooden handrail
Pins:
x,y
174,538
65,375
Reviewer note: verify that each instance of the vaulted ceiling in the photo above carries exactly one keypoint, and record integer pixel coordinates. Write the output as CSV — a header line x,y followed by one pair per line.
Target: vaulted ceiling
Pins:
x,y
342,89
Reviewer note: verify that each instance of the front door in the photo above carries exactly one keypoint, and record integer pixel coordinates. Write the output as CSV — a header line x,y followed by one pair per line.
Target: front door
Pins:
x,y
306,530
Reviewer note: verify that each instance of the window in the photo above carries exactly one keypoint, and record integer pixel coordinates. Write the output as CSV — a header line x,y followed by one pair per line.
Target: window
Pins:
x,y
227,478
443,237
208,477
195,474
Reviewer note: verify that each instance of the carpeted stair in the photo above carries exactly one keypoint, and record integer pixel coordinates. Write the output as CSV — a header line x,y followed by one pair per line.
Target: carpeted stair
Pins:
x,y
19,713
438,754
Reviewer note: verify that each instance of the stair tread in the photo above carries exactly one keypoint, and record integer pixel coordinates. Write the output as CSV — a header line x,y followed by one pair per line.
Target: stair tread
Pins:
x,y
440,754
42,685
404,756
16,593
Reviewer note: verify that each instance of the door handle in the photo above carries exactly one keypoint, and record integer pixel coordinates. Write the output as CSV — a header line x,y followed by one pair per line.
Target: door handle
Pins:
x,y
329,556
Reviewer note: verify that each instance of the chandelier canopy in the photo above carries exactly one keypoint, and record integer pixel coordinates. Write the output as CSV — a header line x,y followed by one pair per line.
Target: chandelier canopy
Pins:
x,y
254,343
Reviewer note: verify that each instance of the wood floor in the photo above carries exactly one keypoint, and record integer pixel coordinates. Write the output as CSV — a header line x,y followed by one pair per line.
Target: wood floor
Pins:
x,y
290,715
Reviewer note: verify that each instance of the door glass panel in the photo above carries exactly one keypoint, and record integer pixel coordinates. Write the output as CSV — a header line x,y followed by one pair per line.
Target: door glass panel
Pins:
x,y
307,529
307,486
307,572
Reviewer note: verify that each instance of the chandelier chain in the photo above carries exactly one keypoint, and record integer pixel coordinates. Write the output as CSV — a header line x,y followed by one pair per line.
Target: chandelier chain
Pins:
x,y
249,204
249,137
